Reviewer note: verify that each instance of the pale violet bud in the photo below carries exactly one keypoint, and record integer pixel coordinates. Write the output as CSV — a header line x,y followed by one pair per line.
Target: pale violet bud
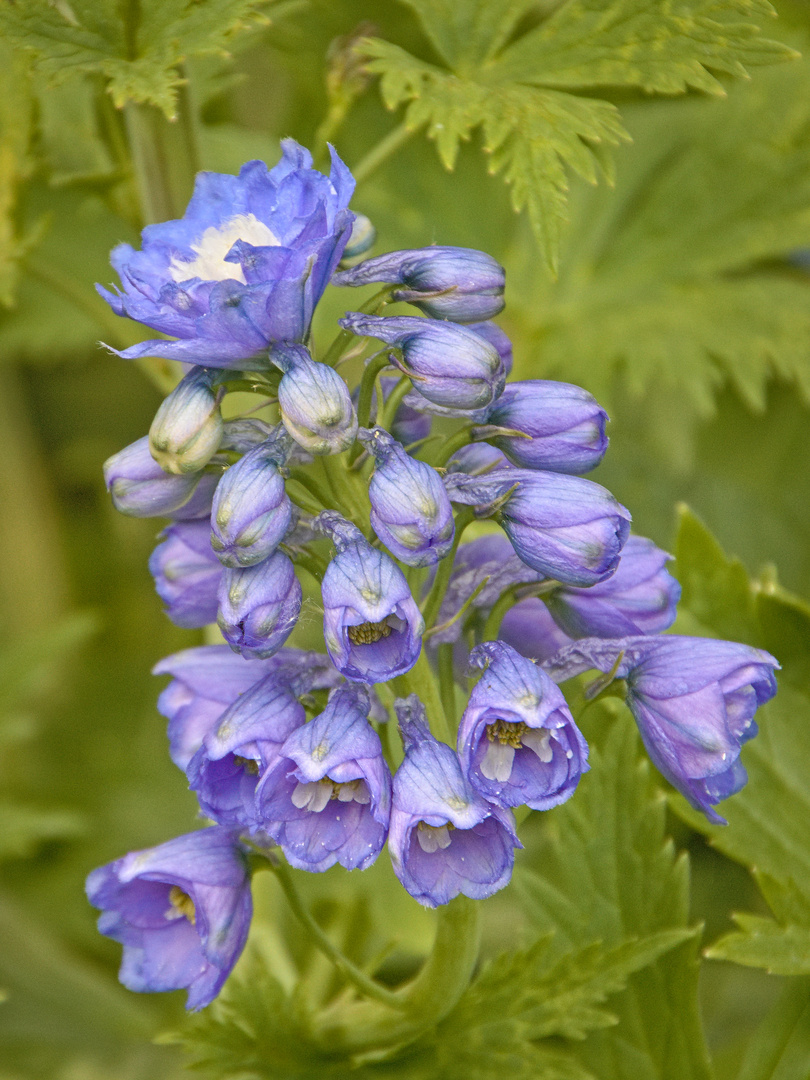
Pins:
x,y
454,283
252,511
410,510
140,488
187,428
259,606
361,240
316,407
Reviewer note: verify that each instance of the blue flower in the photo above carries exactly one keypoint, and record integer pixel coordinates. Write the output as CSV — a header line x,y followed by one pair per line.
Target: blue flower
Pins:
x,y
450,365
567,528
410,510
694,701
565,425
140,488
459,284
371,624
498,339
444,838
517,740
187,574
259,606
243,268
187,428
243,744
315,403
181,910
251,511
328,798
207,680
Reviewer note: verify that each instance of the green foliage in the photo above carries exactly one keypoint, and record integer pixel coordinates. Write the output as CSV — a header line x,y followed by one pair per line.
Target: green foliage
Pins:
x,y
16,125
534,133
601,865
676,280
137,47
780,1048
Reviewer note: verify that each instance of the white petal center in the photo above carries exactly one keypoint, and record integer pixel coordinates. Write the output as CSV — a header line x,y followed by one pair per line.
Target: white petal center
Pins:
x,y
432,838
215,243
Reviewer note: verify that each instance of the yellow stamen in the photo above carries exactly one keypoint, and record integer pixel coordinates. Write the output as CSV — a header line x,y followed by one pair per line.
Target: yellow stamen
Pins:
x,y
505,732
367,633
182,903
248,764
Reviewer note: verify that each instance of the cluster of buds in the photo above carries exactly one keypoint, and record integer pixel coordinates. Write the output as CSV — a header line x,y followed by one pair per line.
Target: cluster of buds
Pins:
x,y
282,746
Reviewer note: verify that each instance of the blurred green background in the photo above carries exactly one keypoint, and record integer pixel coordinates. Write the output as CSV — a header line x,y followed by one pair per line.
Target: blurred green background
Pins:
x,y
695,338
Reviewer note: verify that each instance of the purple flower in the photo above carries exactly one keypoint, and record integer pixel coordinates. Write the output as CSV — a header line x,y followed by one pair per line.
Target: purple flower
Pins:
x,y
187,428
259,606
243,268
565,425
371,624
444,838
187,574
476,459
328,798
210,678
251,511
410,510
459,284
450,365
315,403
181,910
567,528
140,488
694,701
498,339
640,598
517,741
243,743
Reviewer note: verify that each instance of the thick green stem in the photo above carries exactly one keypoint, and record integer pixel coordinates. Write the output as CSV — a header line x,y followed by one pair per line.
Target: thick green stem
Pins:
x,y
364,1027
421,681
364,983
447,682
164,158
384,149
373,368
394,400
499,609
444,452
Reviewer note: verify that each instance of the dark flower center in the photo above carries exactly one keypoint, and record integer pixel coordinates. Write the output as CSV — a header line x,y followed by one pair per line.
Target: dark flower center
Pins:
x,y
366,633
248,764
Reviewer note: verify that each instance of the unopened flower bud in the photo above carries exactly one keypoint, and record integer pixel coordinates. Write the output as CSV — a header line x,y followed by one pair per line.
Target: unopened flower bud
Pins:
x,y
316,407
362,238
459,284
259,606
251,511
410,510
140,488
450,365
187,428
187,574
498,339
565,426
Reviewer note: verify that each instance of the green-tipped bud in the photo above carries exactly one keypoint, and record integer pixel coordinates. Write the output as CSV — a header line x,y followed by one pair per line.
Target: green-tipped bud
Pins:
x,y
187,428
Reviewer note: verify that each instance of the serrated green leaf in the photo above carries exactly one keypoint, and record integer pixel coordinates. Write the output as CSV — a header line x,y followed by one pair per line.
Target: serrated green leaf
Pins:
x,y
471,32
763,943
600,865
678,279
663,47
137,50
780,1048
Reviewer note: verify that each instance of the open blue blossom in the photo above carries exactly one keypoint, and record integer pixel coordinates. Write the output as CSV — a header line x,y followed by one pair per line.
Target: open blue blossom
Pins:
x,y
459,284
187,428
371,624
517,740
140,488
240,747
328,798
315,403
694,701
181,910
565,527
243,268
565,425
449,365
251,511
187,574
410,510
444,838
259,606
208,679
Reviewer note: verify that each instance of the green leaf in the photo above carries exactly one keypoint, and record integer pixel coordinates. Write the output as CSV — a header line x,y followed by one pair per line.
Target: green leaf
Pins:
x,y
535,134
780,1048
601,866
663,47
29,667
678,279
137,52
16,129
763,943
